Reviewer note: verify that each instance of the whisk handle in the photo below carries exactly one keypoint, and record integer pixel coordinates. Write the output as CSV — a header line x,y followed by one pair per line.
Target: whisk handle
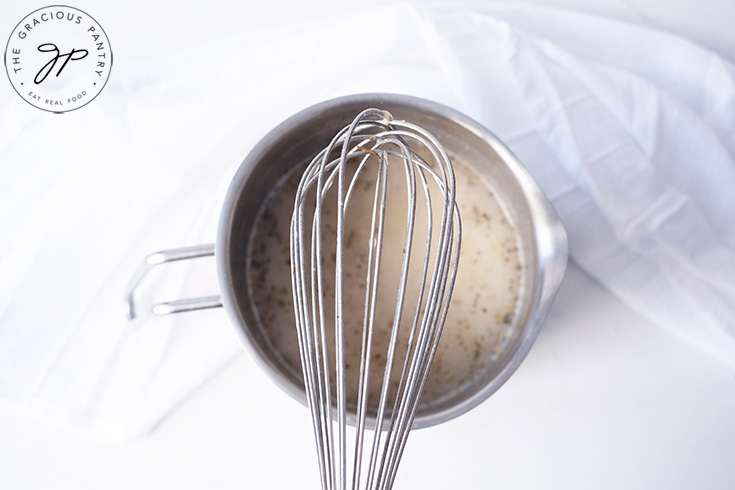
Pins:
x,y
176,306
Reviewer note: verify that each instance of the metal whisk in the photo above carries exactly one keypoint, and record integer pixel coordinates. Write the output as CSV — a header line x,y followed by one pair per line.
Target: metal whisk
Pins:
x,y
360,158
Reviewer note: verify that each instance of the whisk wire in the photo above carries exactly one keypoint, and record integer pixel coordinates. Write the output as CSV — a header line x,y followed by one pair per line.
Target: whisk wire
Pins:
x,y
401,440
406,156
371,297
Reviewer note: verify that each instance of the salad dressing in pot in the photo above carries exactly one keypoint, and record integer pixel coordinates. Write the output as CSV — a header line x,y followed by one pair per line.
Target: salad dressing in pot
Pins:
x,y
484,303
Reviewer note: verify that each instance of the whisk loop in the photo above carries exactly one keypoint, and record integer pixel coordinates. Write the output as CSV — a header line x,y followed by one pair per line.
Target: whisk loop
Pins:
x,y
373,146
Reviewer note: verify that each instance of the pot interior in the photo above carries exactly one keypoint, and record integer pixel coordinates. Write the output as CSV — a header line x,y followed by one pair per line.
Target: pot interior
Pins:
x,y
298,139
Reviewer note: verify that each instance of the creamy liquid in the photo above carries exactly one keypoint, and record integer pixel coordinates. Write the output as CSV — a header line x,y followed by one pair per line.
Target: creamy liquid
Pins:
x,y
484,301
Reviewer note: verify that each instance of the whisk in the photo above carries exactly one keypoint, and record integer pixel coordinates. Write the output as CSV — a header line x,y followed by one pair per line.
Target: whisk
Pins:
x,y
368,150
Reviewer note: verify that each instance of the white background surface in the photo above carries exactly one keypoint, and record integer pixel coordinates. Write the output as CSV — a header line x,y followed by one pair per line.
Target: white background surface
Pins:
x,y
604,399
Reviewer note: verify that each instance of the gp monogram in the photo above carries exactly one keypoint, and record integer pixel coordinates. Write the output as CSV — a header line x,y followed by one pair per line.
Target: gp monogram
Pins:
x,y
58,58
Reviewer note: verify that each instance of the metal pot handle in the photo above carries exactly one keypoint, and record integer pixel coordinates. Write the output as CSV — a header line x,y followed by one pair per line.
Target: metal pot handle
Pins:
x,y
176,306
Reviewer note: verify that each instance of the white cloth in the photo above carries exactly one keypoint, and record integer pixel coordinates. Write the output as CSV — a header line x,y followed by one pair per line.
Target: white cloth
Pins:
x,y
629,131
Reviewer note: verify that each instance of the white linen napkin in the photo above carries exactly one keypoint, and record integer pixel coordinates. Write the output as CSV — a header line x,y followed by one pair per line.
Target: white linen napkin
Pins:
x,y
629,131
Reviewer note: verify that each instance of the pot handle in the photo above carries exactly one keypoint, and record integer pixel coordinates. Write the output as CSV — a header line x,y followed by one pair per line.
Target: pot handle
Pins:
x,y
176,306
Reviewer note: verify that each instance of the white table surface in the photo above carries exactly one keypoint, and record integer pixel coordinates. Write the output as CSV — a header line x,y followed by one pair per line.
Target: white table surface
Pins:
x,y
605,399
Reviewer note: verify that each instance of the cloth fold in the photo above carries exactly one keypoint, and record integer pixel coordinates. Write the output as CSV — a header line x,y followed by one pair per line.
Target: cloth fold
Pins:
x,y
659,175
630,132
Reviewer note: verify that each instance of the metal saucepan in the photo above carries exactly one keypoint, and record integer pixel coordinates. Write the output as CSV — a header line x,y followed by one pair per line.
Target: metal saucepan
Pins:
x,y
543,243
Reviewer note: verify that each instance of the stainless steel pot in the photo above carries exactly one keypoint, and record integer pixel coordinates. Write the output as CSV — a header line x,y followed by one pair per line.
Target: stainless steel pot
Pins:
x,y
541,235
